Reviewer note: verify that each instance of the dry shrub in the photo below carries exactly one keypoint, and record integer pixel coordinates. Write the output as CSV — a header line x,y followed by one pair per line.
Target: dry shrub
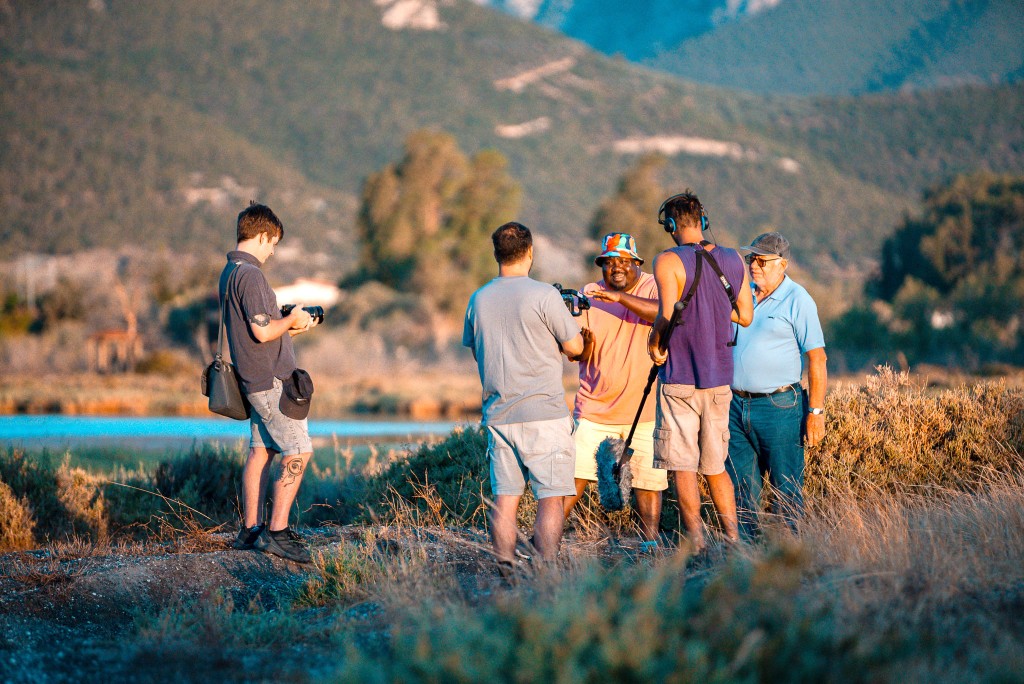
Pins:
x,y
936,570
448,483
891,433
82,497
16,523
33,479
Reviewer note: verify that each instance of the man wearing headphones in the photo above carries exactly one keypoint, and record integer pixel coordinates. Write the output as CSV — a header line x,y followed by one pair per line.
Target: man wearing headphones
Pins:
x,y
613,367
712,290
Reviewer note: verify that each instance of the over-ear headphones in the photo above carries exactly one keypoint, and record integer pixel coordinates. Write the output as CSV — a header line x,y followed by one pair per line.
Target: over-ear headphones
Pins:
x,y
670,223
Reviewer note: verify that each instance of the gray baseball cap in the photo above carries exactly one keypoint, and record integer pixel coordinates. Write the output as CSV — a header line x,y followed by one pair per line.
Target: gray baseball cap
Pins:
x,y
769,243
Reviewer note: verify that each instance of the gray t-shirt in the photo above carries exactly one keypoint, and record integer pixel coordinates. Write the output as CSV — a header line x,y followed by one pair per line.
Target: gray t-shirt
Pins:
x,y
257,363
514,326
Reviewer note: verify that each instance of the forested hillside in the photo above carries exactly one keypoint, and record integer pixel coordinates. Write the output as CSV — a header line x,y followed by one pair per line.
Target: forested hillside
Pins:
x,y
808,47
154,123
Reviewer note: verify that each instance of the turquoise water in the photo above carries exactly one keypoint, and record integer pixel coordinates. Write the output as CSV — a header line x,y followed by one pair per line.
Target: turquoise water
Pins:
x,y
50,430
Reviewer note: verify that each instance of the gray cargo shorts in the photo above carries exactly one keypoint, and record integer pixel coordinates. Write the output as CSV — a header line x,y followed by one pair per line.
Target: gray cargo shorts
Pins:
x,y
543,450
271,429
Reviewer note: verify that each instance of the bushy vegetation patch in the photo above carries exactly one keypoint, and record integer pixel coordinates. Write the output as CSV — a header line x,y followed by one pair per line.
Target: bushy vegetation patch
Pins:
x,y
893,433
34,480
215,620
751,622
446,481
16,522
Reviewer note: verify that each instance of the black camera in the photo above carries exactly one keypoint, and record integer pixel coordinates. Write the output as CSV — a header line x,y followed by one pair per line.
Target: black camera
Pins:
x,y
575,301
315,312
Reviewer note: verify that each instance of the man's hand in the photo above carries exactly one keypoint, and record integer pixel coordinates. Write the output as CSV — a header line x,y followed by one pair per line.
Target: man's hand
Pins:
x,y
301,321
658,356
815,429
588,346
613,296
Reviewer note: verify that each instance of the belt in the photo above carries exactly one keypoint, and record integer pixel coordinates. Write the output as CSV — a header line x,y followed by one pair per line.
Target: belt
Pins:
x,y
757,395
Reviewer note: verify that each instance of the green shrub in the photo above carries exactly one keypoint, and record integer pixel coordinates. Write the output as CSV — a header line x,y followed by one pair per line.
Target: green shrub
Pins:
x,y
446,480
752,622
342,574
207,478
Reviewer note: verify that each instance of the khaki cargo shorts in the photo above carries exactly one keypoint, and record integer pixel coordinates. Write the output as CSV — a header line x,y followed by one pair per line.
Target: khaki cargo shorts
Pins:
x,y
541,450
589,436
691,431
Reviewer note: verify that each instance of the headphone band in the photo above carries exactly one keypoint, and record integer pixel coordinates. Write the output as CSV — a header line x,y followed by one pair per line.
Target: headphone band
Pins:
x,y
705,222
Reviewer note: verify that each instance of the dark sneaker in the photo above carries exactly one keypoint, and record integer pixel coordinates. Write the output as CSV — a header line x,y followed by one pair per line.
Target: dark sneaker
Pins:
x,y
284,543
247,537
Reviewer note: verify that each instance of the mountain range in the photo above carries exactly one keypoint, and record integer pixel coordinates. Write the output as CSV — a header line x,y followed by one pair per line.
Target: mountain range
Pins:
x,y
154,123
803,47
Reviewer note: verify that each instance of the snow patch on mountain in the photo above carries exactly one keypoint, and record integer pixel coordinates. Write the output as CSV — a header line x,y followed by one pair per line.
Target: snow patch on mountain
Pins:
x,y
671,145
419,15
532,127
519,82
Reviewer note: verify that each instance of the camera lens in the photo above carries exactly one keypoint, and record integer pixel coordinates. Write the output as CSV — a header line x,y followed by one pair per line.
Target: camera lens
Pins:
x,y
315,312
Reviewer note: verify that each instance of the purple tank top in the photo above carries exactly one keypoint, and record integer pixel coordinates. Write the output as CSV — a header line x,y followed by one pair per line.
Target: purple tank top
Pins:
x,y
698,352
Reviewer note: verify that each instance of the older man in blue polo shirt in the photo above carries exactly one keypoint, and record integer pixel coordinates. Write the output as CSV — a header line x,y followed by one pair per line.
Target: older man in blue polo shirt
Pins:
x,y
771,418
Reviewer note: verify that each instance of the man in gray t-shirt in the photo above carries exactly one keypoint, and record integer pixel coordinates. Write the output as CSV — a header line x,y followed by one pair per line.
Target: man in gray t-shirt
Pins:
x,y
518,328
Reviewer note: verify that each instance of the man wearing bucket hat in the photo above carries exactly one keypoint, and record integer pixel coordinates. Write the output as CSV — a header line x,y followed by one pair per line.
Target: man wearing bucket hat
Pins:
x,y
613,369
769,408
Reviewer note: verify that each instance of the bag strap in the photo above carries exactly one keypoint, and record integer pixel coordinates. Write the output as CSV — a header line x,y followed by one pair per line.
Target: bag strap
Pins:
x,y
673,322
701,252
223,309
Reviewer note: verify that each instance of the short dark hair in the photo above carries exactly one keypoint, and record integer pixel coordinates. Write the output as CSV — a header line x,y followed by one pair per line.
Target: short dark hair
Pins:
x,y
685,209
256,219
511,242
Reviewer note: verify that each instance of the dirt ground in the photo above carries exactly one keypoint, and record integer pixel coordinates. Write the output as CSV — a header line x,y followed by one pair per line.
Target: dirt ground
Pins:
x,y
72,617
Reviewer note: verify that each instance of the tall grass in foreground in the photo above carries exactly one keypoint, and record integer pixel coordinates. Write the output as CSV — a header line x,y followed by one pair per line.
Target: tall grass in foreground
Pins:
x,y
909,586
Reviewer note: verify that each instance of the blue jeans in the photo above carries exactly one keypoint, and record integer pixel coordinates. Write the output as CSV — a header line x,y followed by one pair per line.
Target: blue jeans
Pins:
x,y
765,438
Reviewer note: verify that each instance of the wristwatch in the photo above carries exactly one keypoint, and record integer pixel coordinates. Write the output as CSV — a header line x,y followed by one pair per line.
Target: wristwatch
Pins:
x,y
816,411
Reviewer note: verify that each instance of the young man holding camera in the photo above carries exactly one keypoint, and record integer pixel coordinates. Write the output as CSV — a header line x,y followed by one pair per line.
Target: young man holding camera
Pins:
x,y
518,329
259,338
613,373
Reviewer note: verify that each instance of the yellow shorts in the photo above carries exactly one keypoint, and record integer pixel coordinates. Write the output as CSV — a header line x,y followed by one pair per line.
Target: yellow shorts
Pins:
x,y
589,436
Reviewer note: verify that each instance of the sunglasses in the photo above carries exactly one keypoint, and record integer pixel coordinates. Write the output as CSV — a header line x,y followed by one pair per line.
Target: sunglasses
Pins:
x,y
760,260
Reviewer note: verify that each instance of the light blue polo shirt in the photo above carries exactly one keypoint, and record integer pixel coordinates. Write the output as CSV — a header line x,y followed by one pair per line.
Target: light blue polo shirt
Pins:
x,y
769,352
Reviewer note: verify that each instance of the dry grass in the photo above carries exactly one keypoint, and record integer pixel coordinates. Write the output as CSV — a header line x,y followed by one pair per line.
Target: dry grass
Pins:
x,y
893,432
906,566
16,523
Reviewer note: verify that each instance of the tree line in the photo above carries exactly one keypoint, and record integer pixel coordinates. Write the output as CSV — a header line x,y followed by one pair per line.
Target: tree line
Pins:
x,y
948,288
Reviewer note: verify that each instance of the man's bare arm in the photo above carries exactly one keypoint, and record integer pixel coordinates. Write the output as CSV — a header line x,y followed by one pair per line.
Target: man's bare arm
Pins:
x,y
574,347
744,313
264,328
671,279
588,346
647,309
817,379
